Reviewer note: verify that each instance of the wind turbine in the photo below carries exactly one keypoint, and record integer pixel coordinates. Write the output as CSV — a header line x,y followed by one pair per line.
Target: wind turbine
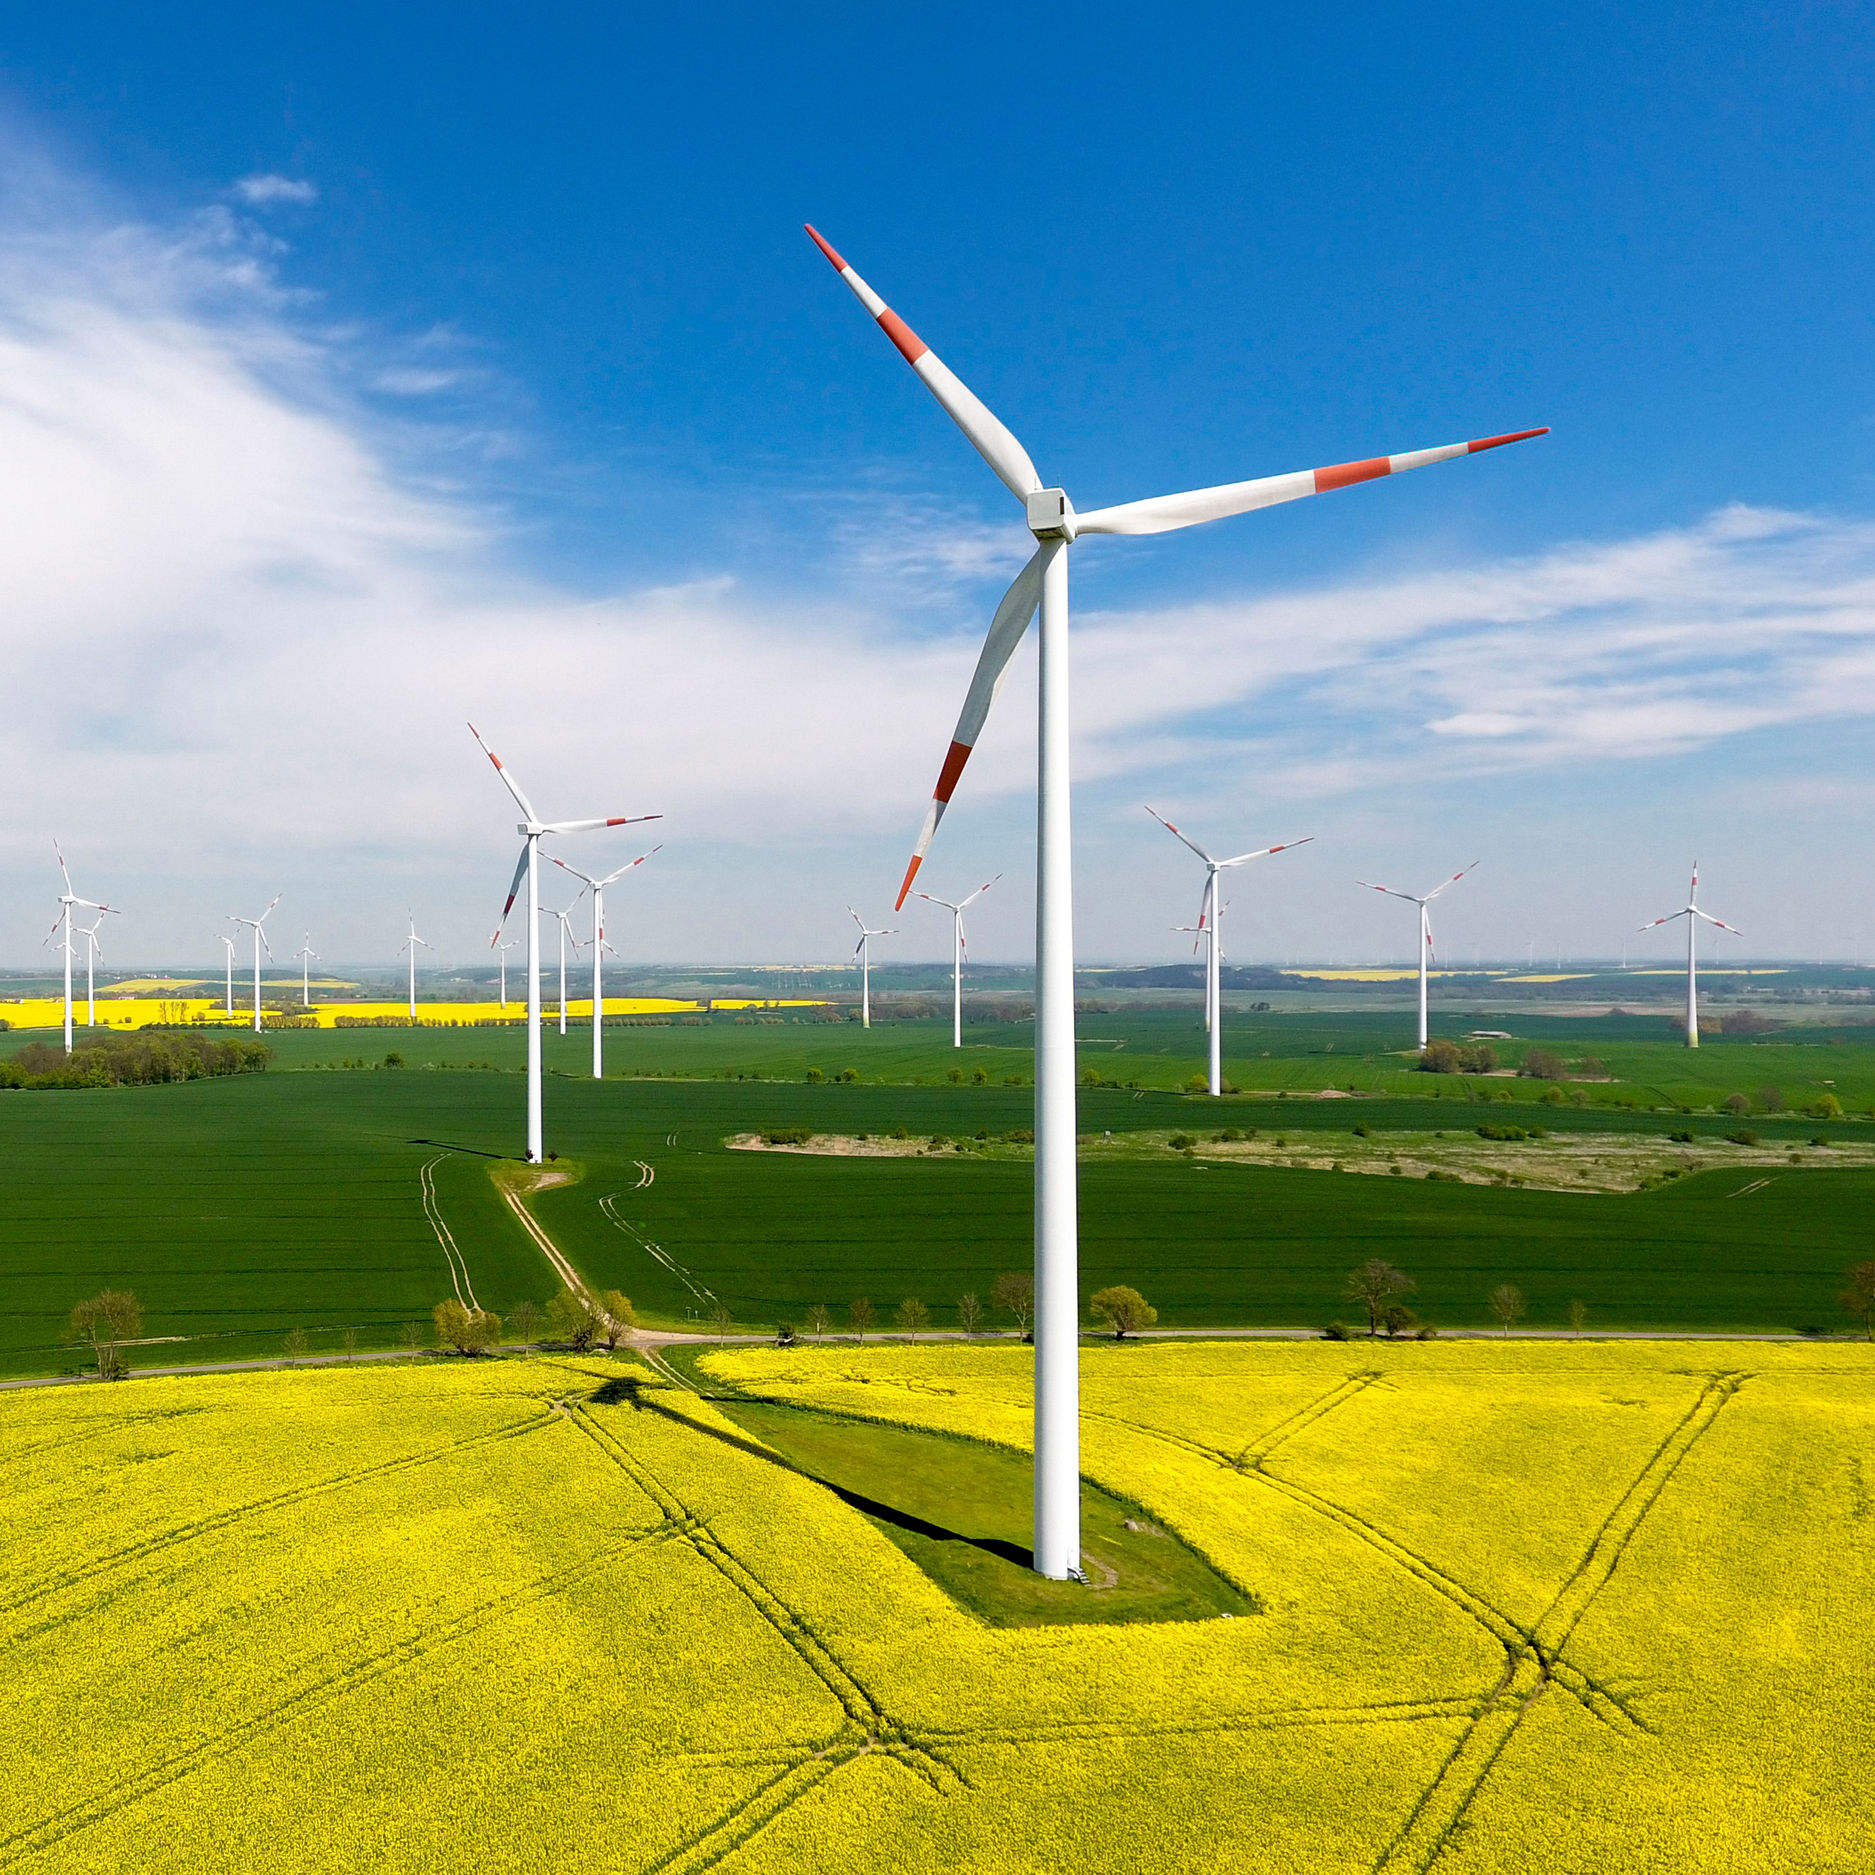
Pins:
x,y
599,947
504,949
1692,914
63,922
957,954
307,958
229,942
531,830
410,944
863,951
1425,929
260,938
1044,581
566,931
93,951
1211,923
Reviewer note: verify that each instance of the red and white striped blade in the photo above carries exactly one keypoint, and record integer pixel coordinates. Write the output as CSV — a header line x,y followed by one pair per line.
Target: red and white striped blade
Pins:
x,y
508,781
1390,892
1668,919
1167,825
587,826
1160,513
1006,629
978,893
639,861
992,440
514,889
1444,883
574,870
1720,922
1263,852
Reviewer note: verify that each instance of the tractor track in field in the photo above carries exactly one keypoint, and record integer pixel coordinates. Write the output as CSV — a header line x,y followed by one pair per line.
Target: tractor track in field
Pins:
x,y
458,1264
61,1825
255,1507
1444,1804
609,1205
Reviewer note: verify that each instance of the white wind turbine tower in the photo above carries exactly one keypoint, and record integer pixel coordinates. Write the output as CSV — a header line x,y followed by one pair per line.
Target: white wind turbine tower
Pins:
x,y
599,948
566,931
1053,521
504,949
957,954
93,951
863,951
531,830
260,939
229,943
410,944
1692,914
1211,926
1425,930
63,924
307,958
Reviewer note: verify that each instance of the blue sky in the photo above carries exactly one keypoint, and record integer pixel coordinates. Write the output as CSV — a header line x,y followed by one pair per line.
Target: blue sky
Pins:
x,y
372,370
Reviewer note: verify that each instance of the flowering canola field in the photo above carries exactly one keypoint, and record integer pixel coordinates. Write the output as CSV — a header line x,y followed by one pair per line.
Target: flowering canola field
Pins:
x,y
1526,1606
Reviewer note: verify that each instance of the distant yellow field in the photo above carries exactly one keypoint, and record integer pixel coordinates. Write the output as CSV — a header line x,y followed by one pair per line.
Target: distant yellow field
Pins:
x,y
48,1012
1373,976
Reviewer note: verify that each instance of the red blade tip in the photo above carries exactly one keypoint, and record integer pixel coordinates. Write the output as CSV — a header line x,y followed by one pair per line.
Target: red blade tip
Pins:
x,y
825,246
1498,442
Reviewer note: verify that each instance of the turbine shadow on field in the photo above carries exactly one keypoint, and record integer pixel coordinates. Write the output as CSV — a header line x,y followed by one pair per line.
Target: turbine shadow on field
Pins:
x,y
473,1152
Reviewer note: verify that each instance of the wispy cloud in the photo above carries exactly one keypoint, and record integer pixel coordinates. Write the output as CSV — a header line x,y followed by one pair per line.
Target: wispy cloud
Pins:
x,y
251,629
262,191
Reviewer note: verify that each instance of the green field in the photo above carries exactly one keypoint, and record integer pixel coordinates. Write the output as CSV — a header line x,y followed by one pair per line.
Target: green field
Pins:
x,y
240,1209
1499,1608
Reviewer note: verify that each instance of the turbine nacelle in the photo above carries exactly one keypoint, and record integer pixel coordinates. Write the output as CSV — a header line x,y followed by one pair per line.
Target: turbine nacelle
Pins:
x,y
1050,514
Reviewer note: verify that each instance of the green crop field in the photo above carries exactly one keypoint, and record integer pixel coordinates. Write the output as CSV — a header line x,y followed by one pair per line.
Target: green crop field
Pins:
x,y
243,1208
1491,1609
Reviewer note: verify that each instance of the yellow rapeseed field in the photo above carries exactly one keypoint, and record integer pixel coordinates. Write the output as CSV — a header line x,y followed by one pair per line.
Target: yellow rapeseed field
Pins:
x,y
1529,1607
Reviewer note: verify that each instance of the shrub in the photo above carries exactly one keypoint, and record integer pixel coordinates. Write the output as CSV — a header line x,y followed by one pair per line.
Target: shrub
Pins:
x,y
787,1135
900,1131
1444,1178
1502,1130
847,1074
1743,1137
954,1075
1180,1142
1826,1108
979,1077
1439,1057
1770,1100
1591,1065
814,1074
1363,1130
1681,1136
1229,1135
1735,1104
1479,1059
1541,1064
1197,1084
1552,1096
393,1059
1019,1136
1336,1331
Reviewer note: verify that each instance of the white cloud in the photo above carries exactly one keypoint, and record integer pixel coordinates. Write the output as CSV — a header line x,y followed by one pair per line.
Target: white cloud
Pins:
x,y
260,191
243,645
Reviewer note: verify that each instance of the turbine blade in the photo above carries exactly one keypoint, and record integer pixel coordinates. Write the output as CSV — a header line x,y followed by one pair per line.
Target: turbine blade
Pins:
x,y
1720,922
978,893
639,861
587,826
514,890
1437,889
1006,629
1263,852
987,434
1167,825
507,780
1157,514
1668,919
574,870
60,851
1390,892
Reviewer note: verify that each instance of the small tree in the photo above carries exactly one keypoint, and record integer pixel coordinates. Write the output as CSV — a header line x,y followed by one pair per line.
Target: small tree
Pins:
x,y
1014,1293
1397,1319
721,1319
411,1335
1578,1316
1507,1304
969,1312
620,1317
106,1321
912,1316
1736,1105
1373,1285
1858,1296
525,1316
468,1331
819,1320
1124,1310
295,1343
572,1318
1542,1064
350,1338
1439,1057
860,1312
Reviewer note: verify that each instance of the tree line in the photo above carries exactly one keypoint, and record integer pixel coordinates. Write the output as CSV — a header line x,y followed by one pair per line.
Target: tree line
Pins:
x,y
140,1059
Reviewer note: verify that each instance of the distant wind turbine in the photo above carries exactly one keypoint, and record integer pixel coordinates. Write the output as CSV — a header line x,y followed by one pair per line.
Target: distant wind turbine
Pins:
x,y
504,948
1692,914
1425,929
599,947
260,939
93,951
63,924
410,944
307,958
229,943
566,931
1211,914
863,951
957,954
532,829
